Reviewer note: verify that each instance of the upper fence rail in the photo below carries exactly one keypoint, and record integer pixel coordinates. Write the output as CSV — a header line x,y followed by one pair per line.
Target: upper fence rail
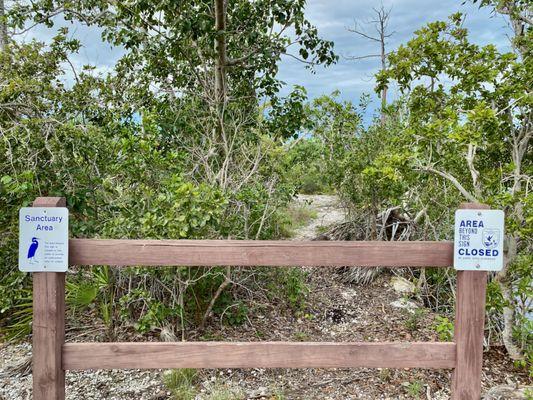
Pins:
x,y
259,253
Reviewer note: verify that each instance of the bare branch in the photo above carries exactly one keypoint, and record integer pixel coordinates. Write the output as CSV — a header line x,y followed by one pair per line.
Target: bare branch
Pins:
x,y
453,180
355,58
361,33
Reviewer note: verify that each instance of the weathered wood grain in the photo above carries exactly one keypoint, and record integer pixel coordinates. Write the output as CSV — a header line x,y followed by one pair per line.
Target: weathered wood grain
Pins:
x,y
80,356
469,329
50,202
48,326
259,253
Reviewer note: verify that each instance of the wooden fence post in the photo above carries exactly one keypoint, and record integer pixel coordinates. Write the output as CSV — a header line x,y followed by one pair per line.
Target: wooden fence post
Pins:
x,y
48,326
469,329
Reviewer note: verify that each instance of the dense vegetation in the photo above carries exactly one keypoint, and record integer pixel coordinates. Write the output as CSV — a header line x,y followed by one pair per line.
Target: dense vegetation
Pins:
x,y
188,137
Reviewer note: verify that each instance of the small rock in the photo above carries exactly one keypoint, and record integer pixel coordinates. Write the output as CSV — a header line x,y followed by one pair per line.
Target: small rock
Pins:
x,y
404,304
258,393
507,392
402,285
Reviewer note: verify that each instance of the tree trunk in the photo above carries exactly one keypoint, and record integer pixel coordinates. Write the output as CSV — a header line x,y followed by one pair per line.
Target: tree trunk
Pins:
x,y
3,26
509,320
510,8
380,24
382,35
220,99
220,48
519,23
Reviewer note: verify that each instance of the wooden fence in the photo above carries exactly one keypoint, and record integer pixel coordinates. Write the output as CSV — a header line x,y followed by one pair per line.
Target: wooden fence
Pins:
x,y
52,356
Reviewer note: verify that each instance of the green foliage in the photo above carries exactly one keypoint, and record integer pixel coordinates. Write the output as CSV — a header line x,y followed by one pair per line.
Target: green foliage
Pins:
x,y
279,395
523,293
301,336
20,319
232,313
471,134
366,166
306,166
495,300
414,389
81,294
161,42
123,178
134,161
148,152
182,384
295,288
444,328
464,119
82,289
149,313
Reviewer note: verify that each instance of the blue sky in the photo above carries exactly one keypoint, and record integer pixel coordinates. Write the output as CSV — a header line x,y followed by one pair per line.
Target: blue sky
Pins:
x,y
351,78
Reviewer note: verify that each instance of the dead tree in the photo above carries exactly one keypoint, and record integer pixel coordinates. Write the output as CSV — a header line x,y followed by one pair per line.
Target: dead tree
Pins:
x,y
380,23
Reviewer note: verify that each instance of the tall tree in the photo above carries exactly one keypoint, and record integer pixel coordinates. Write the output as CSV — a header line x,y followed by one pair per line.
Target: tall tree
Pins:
x,y
219,56
173,42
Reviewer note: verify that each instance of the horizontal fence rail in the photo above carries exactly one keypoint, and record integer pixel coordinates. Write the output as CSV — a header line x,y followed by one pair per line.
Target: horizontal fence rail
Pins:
x,y
259,253
83,356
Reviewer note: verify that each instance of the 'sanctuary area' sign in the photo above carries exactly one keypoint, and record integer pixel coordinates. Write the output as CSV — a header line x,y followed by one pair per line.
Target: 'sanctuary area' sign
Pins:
x,y
43,239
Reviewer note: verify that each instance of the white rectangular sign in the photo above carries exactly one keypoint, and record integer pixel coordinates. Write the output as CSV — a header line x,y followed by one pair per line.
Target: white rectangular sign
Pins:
x,y
478,240
43,239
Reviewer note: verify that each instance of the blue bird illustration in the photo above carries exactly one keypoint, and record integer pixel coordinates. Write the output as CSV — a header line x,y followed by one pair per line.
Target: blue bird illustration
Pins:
x,y
33,248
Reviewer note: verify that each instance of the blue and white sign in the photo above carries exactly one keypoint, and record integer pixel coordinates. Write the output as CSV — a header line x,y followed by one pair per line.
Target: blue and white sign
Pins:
x,y
478,240
43,239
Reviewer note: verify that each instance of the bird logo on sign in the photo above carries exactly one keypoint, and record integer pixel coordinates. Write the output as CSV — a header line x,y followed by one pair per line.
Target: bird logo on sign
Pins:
x,y
491,238
33,249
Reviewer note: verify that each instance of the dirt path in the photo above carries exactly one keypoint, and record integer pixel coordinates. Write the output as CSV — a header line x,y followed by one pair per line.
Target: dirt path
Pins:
x,y
333,312
328,212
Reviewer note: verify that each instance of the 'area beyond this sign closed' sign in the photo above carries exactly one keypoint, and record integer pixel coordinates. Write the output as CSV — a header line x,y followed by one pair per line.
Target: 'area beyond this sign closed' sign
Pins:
x,y
43,239
478,241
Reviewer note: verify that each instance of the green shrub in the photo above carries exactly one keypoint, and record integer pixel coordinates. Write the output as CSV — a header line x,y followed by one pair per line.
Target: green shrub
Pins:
x,y
306,167
444,328
295,288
